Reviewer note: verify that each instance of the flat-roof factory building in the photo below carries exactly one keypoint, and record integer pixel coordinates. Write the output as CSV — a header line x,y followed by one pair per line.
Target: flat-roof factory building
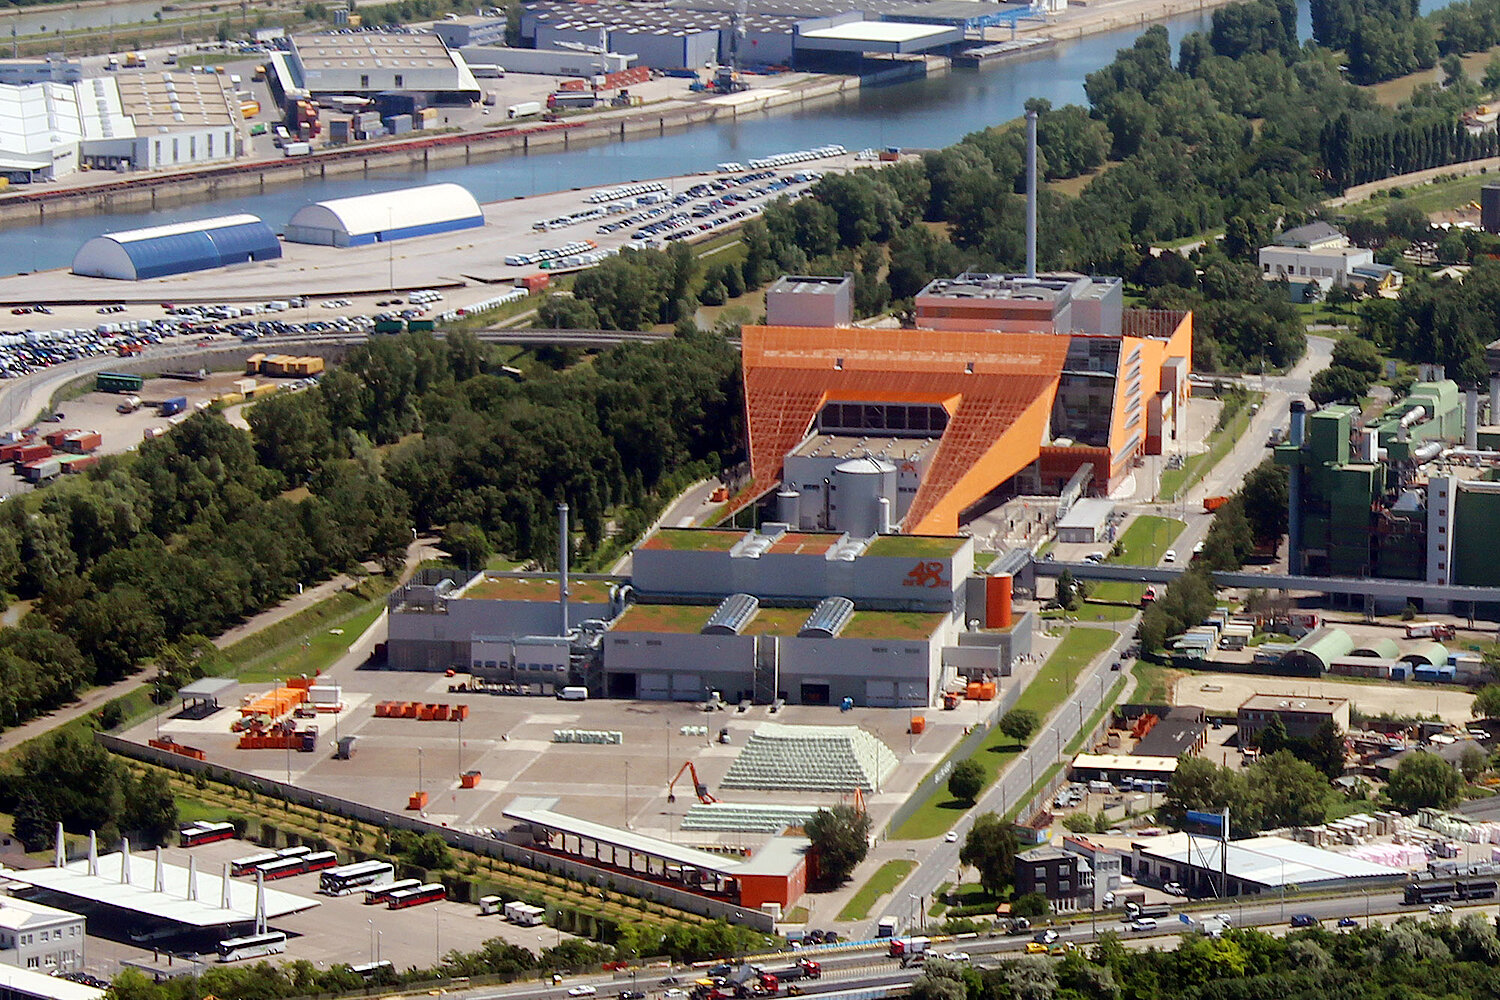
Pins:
x,y
178,248
385,216
1253,865
372,62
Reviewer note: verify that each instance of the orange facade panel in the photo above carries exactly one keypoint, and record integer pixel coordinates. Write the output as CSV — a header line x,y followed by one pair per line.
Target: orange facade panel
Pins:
x,y
996,389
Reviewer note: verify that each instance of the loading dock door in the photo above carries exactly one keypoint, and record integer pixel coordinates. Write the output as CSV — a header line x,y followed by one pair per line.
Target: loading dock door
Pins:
x,y
687,687
913,695
880,694
653,687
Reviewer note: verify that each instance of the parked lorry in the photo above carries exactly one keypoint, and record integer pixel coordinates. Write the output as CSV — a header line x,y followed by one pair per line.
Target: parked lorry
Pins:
x,y
524,110
1136,911
129,404
173,406
1211,504
1429,630
805,969
886,928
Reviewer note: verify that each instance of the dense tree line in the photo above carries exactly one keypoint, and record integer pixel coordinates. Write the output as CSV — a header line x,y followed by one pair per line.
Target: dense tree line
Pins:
x,y
1443,320
1410,958
1277,790
74,781
197,530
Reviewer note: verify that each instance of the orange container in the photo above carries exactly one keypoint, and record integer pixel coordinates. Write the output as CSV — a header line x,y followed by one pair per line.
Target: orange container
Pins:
x,y
301,683
973,691
440,713
987,691
418,800
460,713
409,709
469,779
918,723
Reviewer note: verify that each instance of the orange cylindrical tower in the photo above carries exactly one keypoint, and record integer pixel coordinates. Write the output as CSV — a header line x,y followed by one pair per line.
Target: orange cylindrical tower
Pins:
x,y
997,599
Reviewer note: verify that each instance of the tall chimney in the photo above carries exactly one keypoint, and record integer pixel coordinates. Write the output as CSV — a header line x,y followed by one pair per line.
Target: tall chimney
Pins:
x,y
224,888
1471,417
59,851
93,853
192,886
125,861
562,565
1297,437
1495,399
1031,194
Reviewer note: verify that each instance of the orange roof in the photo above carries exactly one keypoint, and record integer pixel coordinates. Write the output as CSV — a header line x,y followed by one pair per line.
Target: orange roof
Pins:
x,y
990,383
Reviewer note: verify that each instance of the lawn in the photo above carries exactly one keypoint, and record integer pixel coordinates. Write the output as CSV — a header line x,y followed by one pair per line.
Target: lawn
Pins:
x,y
1091,612
883,882
1220,443
316,652
1142,544
325,614
1046,691
1153,684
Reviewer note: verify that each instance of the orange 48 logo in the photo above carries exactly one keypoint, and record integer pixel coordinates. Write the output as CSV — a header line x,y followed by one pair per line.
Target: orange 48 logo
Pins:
x,y
925,574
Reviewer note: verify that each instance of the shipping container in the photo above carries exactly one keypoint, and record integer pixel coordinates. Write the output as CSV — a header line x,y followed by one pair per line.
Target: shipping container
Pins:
x,y
117,382
41,470
176,404
249,109
33,452
297,149
82,442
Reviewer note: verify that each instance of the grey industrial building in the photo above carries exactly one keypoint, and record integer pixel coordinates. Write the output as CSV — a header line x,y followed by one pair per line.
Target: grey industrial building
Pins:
x,y
808,300
459,32
372,62
810,618
1065,878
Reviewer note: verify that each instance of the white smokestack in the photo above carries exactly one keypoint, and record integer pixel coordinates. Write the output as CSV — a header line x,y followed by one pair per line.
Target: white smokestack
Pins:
x,y
562,565
1031,194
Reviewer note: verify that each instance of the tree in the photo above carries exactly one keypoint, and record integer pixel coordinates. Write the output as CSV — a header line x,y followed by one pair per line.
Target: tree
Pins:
x,y
1358,354
1472,762
1285,791
1033,905
991,848
1325,750
1019,724
1487,702
467,544
940,980
840,838
1273,736
1067,590
1424,780
966,781
1338,384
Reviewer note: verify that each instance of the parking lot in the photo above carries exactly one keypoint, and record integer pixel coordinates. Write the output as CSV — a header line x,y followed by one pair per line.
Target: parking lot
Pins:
x,y
342,928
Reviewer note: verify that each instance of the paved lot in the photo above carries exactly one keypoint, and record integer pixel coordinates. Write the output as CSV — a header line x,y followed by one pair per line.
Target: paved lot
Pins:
x,y
1226,692
508,739
468,264
343,929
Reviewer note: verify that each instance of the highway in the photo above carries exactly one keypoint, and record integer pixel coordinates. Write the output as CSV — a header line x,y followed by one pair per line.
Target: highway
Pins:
x,y
850,971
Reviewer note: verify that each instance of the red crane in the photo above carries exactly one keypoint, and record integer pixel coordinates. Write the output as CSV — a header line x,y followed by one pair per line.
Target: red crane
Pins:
x,y
698,786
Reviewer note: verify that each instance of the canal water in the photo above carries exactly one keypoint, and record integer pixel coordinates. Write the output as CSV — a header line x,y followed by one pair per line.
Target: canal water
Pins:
x,y
922,114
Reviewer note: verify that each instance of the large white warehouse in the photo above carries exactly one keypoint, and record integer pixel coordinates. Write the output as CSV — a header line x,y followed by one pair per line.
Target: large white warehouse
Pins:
x,y
389,215
177,248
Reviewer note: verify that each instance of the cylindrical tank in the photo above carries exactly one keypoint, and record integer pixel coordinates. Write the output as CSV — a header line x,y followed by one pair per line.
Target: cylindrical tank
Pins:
x,y
858,486
1298,423
883,506
789,507
1369,439
997,600
1495,399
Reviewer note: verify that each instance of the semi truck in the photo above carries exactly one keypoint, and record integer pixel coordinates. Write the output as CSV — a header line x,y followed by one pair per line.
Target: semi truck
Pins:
x,y
906,946
1136,911
173,406
804,969
524,110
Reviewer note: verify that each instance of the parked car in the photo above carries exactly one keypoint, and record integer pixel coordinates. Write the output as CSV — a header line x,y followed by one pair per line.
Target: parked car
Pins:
x,y
1174,889
1348,922
1143,924
1437,909
583,990
1304,920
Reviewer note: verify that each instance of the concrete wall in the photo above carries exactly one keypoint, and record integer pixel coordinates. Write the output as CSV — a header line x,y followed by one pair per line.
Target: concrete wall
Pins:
x,y
679,667
886,673
421,640
466,841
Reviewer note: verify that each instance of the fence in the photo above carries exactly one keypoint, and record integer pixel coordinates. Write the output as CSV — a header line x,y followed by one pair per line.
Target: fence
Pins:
x,y
489,847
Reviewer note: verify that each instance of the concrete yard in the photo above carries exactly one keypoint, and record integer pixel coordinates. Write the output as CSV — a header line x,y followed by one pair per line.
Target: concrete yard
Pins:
x,y
508,739
467,265
1226,692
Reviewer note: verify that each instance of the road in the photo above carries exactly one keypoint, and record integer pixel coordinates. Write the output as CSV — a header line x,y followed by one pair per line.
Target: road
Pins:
x,y
846,971
939,865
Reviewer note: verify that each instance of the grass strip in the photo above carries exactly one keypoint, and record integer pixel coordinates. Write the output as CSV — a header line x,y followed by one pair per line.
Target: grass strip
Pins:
x,y
883,882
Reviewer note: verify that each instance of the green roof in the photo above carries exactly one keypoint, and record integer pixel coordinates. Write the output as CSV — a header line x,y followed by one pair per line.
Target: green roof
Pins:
x,y
915,546
694,540
688,619
517,588
891,625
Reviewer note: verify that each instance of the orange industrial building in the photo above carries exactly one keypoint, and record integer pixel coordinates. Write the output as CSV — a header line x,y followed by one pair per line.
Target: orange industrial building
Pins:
x,y
1007,385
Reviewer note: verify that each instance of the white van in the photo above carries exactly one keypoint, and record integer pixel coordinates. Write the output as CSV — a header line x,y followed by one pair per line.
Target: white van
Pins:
x,y
573,694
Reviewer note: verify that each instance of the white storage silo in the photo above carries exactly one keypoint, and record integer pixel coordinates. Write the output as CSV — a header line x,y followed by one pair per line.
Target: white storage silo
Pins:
x,y
858,487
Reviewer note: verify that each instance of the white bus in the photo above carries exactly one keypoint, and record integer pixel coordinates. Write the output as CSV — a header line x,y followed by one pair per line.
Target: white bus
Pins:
x,y
254,946
347,878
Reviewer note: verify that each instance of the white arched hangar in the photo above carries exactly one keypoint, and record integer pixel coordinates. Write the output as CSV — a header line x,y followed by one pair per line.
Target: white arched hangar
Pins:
x,y
389,215
177,248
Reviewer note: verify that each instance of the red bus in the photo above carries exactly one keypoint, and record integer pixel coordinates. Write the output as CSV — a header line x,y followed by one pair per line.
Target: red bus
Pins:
x,y
429,893
382,894
319,860
204,833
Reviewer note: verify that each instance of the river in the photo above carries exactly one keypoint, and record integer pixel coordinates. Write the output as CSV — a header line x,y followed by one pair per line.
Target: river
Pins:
x,y
923,114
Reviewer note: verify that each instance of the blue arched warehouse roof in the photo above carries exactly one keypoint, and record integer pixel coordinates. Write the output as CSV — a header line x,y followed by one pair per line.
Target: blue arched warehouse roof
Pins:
x,y
177,248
